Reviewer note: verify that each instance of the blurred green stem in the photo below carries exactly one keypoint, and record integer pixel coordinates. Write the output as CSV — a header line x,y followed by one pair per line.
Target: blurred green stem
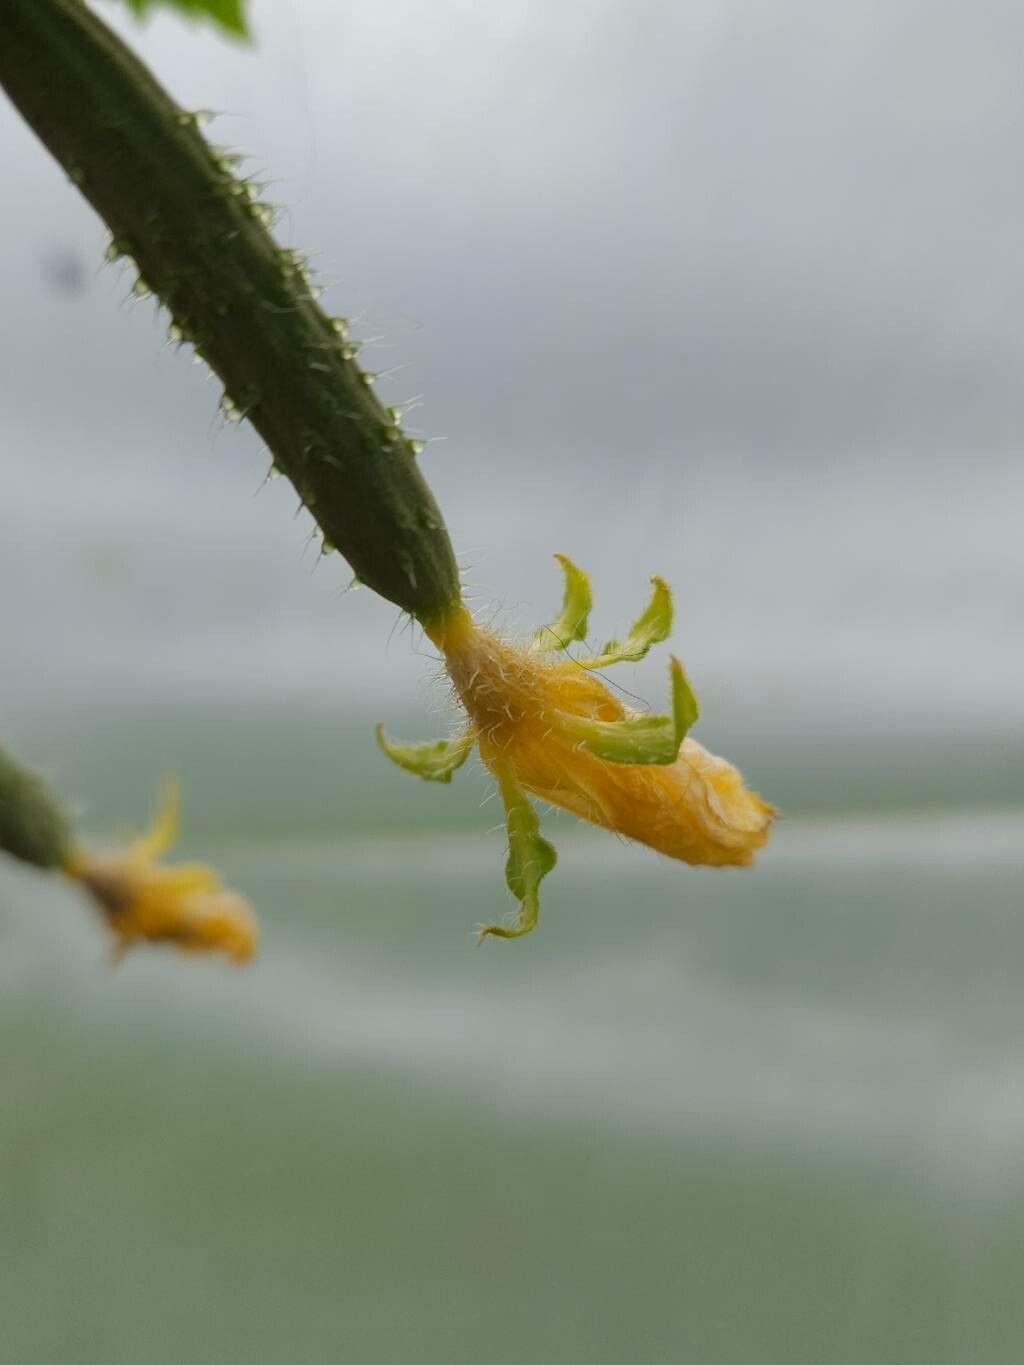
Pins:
x,y
33,825
199,237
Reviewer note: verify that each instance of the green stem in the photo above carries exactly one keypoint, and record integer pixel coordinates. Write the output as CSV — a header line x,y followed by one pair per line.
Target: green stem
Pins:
x,y
199,238
33,826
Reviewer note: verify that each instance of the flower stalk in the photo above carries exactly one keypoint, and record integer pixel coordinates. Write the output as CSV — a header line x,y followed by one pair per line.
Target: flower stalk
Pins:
x,y
200,238
34,826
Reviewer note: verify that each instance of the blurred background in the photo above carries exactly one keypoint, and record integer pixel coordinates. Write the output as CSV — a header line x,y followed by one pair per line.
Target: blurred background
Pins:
x,y
726,291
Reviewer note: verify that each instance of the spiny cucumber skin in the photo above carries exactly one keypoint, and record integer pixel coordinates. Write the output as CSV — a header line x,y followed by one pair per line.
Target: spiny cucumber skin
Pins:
x,y
201,244
33,827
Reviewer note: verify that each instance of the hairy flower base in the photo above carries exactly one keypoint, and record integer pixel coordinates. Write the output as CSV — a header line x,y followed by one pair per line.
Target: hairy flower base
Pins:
x,y
185,905
549,727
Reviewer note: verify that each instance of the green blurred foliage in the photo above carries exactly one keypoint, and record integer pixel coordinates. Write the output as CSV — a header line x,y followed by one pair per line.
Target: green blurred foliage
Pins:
x,y
229,14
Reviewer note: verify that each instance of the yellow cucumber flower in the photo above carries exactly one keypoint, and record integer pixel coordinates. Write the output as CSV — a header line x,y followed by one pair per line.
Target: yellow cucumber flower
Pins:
x,y
547,726
187,905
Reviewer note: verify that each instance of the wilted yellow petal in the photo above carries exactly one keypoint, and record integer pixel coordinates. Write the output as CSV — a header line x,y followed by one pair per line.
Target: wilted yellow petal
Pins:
x,y
694,807
186,905
551,728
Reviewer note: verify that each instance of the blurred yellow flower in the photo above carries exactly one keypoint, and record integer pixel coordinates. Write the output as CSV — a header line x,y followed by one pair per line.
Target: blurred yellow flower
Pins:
x,y
186,905
548,727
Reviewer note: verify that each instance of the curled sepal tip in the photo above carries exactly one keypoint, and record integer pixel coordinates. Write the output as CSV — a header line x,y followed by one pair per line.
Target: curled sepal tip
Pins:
x,y
434,761
530,859
650,628
639,738
571,623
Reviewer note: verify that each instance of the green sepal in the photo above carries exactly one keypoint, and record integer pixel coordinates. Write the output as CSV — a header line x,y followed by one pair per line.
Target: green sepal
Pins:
x,y
434,761
572,621
530,859
229,14
650,628
643,738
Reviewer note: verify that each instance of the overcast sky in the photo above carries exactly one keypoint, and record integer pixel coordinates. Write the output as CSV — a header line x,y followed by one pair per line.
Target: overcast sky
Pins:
x,y
730,291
